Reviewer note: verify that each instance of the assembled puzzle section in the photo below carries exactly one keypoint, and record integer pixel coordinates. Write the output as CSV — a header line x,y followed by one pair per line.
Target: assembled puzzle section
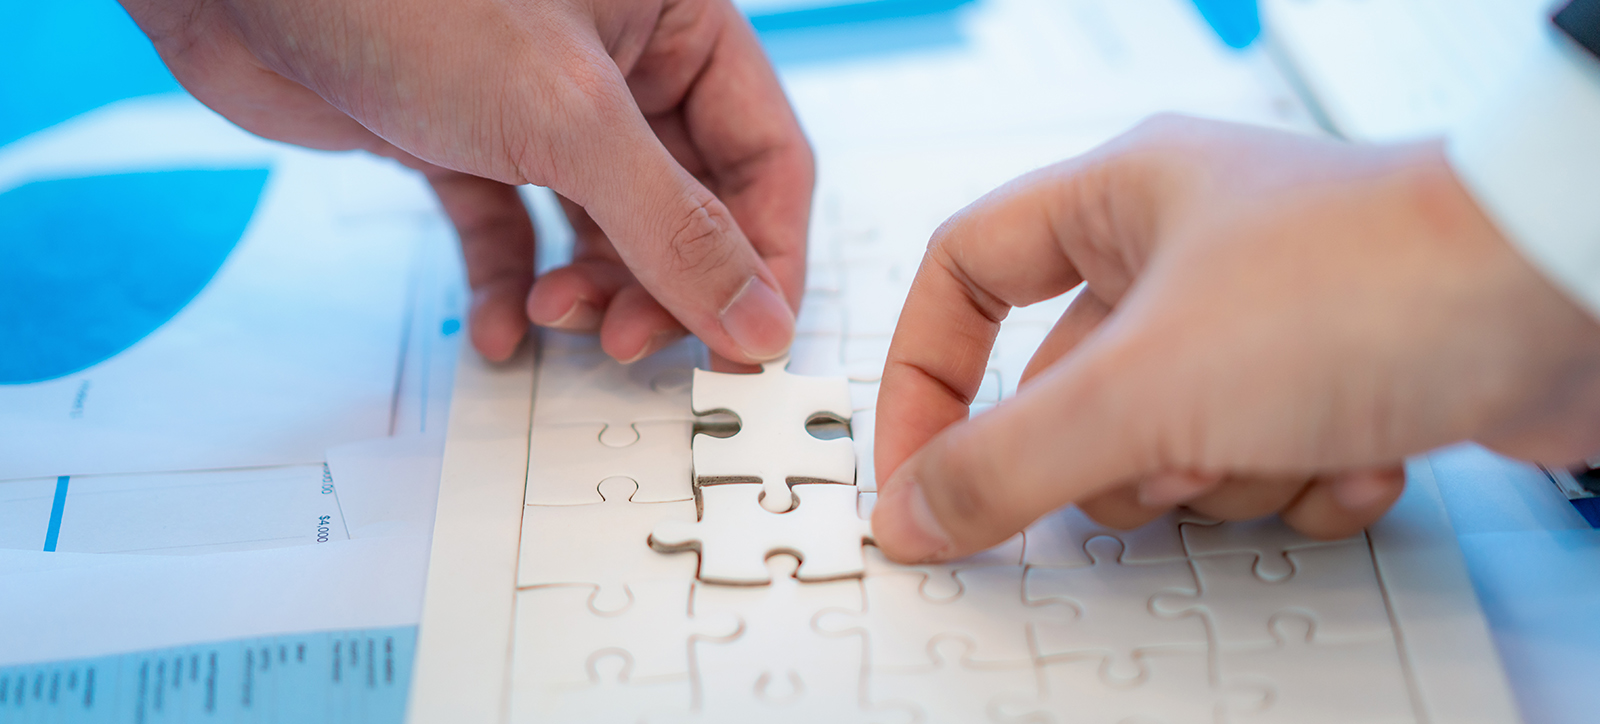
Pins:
x,y
760,602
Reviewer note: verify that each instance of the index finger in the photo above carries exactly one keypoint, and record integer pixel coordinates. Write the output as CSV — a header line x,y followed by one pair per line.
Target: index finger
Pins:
x,y
1000,252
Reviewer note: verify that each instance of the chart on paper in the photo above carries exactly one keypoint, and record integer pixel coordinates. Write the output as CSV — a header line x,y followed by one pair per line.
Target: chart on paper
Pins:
x,y
172,513
359,676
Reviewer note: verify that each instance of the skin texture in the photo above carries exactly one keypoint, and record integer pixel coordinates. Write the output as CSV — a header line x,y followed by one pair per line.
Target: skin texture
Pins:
x,y
659,122
1270,323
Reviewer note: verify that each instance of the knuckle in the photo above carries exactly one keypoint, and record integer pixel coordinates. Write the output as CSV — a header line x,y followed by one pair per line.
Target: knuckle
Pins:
x,y
697,239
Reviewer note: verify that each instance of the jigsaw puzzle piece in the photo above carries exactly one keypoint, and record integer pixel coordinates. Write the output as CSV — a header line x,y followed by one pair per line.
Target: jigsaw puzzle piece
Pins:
x,y
951,689
735,535
566,463
778,659
1268,538
772,445
1320,683
604,544
1058,539
1334,586
901,623
611,695
863,431
1114,600
579,383
559,631
1175,689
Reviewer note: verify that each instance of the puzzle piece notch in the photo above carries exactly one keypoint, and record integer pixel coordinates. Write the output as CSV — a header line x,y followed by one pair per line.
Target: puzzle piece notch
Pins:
x,y
901,624
1268,538
652,628
772,446
1117,620
1060,539
735,535
561,543
951,688
1174,688
779,666
1308,682
1334,586
566,463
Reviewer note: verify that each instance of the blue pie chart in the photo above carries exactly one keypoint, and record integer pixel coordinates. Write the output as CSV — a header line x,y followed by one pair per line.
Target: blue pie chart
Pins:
x,y
90,266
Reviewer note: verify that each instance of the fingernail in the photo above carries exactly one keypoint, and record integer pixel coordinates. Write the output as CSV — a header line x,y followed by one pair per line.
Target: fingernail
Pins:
x,y
651,346
580,316
1360,492
915,532
759,321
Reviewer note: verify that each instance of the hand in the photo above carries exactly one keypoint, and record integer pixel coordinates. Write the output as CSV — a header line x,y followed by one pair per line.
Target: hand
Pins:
x,y
1270,323
660,122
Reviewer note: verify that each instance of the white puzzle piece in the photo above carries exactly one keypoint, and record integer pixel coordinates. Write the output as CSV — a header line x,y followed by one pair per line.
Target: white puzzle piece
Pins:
x,y
1320,683
558,630
1058,540
1334,586
772,445
1268,538
610,695
735,535
901,623
1175,689
1116,621
778,660
863,431
579,383
951,690
606,544
566,463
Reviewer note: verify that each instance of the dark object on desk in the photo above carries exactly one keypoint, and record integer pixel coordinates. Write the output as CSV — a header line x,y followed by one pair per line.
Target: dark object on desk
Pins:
x,y
1581,485
1580,20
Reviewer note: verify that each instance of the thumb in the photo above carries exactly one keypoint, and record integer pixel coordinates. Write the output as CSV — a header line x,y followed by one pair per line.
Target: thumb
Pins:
x,y
679,240
1076,431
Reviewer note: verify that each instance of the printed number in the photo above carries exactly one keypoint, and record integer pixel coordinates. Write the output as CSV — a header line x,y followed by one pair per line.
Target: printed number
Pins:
x,y
322,527
327,488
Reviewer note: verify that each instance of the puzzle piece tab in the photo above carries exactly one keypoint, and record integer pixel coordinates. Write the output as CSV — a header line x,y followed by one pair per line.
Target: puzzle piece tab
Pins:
x,y
567,462
604,544
735,535
654,628
772,446
990,614
1116,621
1333,586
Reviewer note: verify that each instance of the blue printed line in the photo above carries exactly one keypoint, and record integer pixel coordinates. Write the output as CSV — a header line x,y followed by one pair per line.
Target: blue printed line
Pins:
x,y
56,508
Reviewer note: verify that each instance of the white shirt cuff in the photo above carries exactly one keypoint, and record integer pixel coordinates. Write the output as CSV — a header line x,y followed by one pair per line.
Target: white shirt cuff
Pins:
x,y
1531,158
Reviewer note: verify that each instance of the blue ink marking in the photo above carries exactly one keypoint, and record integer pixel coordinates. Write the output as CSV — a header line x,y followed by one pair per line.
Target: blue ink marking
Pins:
x,y
1237,22
857,30
60,59
450,326
56,509
90,266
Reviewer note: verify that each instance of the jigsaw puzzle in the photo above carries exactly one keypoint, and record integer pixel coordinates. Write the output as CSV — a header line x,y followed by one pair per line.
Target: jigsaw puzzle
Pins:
x,y
668,573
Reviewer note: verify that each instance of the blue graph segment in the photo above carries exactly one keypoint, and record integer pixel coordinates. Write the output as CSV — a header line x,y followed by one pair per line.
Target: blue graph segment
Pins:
x,y
57,508
89,266
355,677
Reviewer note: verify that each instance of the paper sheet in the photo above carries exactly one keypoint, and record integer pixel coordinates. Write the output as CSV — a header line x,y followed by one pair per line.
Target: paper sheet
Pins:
x,y
291,348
